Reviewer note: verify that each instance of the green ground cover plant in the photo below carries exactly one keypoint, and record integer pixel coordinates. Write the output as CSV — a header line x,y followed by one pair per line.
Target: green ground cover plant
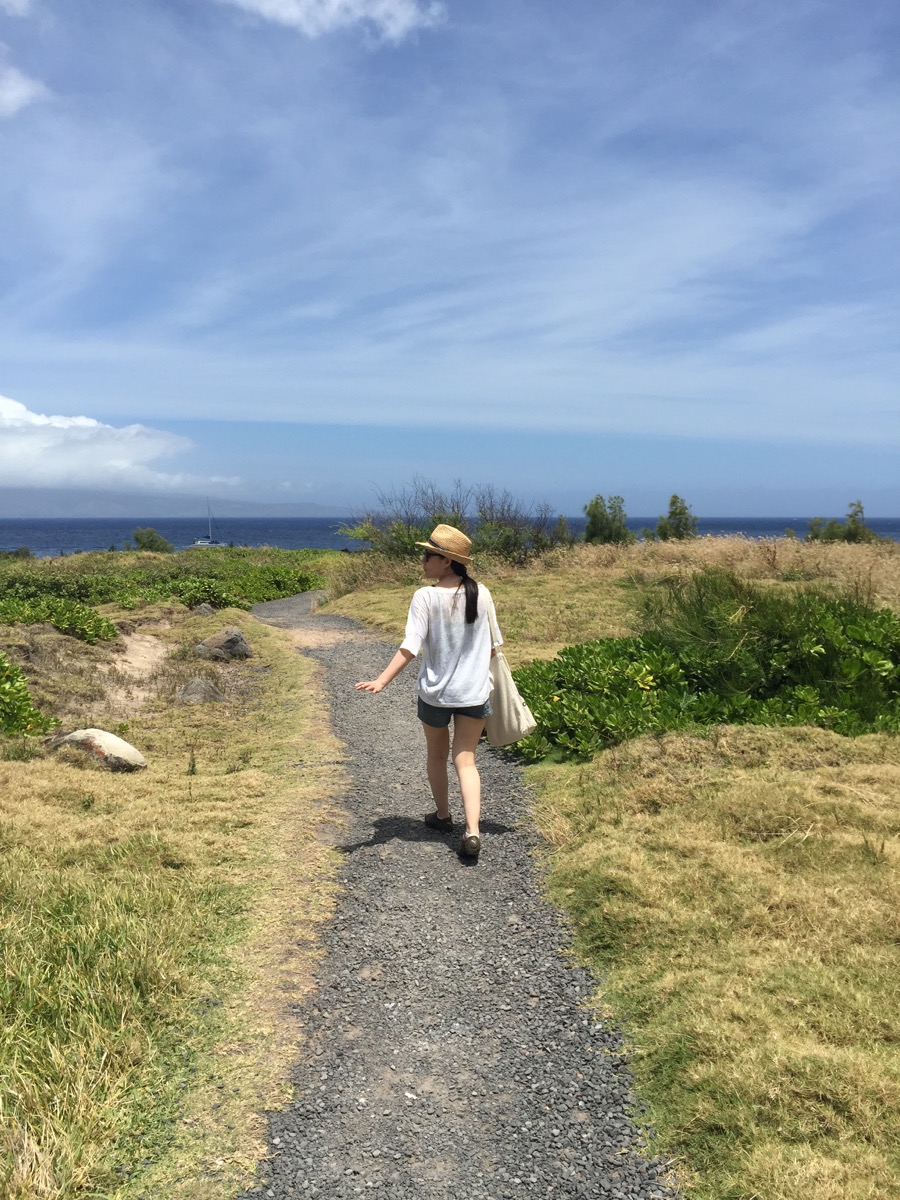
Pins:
x,y
224,577
18,714
68,616
719,649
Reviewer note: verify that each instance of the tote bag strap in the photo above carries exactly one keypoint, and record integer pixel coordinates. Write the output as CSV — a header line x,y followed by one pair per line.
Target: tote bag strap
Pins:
x,y
495,632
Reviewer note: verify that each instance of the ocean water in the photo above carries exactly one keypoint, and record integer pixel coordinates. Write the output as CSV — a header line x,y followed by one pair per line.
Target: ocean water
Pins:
x,y
54,536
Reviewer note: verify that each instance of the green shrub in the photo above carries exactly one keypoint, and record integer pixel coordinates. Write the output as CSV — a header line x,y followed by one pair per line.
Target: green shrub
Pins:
x,y
43,581
598,693
606,521
739,640
17,711
68,616
221,577
193,590
149,539
678,524
717,649
854,528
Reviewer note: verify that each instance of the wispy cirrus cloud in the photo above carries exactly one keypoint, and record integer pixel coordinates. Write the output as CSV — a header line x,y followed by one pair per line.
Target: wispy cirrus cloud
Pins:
x,y
56,451
17,90
393,19
16,8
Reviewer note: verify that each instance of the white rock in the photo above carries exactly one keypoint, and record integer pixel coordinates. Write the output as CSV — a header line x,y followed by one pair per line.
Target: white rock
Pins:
x,y
114,752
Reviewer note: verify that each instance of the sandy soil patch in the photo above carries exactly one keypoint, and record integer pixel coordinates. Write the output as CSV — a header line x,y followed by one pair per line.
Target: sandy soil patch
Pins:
x,y
130,673
314,639
143,654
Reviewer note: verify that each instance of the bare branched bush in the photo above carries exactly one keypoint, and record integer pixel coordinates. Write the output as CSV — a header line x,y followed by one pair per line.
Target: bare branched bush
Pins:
x,y
497,523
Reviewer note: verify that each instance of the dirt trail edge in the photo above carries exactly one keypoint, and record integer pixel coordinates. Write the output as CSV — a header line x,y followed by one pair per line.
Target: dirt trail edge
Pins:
x,y
449,1050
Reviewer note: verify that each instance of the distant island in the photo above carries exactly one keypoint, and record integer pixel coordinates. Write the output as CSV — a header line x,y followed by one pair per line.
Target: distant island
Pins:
x,y
45,503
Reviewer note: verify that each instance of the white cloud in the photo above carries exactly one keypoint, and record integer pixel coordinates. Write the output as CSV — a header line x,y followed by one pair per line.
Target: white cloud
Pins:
x,y
17,90
16,8
55,451
394,19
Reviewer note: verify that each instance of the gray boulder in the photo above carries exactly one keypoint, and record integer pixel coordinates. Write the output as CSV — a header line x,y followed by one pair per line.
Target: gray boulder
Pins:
x,y
203,651
114,752
200,691
203,610
230,642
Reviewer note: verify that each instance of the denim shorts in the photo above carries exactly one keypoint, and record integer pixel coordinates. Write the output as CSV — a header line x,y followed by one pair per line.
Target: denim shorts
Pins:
x,y
439,718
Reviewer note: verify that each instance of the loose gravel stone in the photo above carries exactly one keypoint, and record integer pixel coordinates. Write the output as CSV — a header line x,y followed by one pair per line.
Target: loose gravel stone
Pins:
x,y
448,1048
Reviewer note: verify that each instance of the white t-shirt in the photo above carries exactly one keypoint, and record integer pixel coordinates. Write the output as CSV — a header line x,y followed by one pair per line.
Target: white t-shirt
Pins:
x,y
455,667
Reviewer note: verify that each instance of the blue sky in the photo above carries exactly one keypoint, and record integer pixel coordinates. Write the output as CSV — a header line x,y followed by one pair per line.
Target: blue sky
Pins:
x,y
300,250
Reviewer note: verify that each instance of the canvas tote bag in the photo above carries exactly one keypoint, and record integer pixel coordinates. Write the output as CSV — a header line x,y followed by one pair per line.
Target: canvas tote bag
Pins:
x,y
511,718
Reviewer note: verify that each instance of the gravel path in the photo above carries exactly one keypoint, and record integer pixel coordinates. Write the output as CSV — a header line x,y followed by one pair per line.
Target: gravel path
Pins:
x,y
449,1052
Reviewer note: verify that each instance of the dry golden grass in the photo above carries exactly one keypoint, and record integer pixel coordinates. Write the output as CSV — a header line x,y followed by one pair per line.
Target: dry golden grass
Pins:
x,y
157,924
738,894
585,592
542,607
876,565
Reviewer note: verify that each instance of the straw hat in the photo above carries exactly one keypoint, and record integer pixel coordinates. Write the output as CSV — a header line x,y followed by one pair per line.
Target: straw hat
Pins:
x,y
451,543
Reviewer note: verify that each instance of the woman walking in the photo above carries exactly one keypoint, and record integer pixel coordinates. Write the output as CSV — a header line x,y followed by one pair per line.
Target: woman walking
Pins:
x,y
452,621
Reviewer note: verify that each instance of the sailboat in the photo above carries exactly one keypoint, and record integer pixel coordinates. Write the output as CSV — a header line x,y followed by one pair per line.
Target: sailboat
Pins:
x,y
209,540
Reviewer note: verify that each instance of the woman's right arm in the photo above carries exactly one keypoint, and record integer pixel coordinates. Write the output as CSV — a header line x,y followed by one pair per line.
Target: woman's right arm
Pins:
x,y
400,660
416,629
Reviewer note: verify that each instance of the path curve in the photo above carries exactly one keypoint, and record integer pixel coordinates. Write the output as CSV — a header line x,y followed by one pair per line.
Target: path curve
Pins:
x,y
449,1050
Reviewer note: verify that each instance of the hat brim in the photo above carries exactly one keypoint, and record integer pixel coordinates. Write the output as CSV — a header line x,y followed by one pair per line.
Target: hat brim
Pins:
x,y
465,559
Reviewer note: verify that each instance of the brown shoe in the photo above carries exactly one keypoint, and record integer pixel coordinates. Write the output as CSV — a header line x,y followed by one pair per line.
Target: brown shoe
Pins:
x,y
470,847
442,824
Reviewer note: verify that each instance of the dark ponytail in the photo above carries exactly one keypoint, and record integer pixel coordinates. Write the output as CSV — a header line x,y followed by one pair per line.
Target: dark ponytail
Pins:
x,y
471,591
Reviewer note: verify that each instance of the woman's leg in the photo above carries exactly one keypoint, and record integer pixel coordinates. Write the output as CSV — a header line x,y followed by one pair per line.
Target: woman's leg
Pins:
x,y
466,733
437,742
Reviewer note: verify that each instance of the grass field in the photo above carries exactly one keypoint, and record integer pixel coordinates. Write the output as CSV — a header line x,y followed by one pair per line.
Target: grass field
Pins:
x,y
734,891
586,592
153,923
